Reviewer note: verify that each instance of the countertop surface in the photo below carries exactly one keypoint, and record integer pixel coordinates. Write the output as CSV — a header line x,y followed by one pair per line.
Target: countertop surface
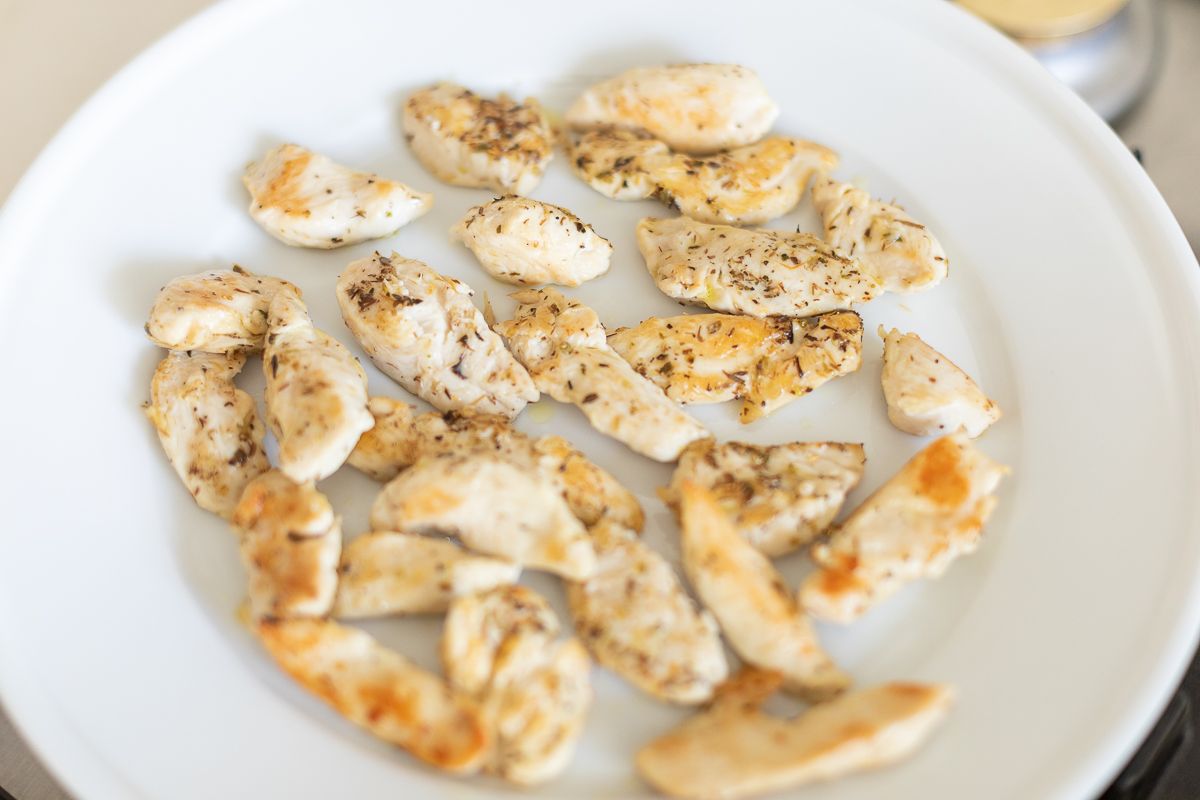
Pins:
x,y
55,53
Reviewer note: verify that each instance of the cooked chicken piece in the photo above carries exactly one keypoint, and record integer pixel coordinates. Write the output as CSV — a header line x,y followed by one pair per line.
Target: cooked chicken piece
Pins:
x,y
930,513
385,572
757,613
620,164
479,626
381,691
766,362
735,750
592,493
422,330
565,348
494,506
539,707
213,312
638,621
523,241
755,272
779,497
749,185
401,438
316,393
208,427
290,541
926,393
696,108
893,246
467,140
500,646
305,199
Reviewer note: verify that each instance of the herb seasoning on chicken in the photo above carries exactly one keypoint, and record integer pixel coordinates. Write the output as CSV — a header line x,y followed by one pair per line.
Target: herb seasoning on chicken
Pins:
x,y
468,140
422,330
565,348
756,272
766,362
305,199
749,185
523,241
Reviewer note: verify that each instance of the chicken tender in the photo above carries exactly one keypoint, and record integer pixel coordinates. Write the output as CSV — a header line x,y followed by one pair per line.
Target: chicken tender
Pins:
x,y
757,613
214,312
381,691
897,249
930,513
748,185
523,241
566,350
402,437
500,646
927,393
493,506
766,362
208,427
735,750
468,140
290,541
385,573
695,108
305,199
756,272
779,497
422,330
637,620
316,393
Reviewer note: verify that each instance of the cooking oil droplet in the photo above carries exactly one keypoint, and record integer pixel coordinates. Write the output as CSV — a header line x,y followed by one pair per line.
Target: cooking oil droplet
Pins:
x,y
541,411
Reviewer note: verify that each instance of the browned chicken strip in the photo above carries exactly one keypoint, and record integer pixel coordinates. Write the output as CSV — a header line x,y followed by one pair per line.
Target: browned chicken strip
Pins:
x,y
734,749
402,437
381,691
765,362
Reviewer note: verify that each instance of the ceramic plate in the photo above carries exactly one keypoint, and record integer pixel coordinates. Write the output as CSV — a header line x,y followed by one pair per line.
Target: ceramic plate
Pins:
x,y
1072,298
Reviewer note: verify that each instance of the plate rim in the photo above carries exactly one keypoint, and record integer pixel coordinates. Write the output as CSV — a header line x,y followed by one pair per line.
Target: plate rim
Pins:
x,y
72,761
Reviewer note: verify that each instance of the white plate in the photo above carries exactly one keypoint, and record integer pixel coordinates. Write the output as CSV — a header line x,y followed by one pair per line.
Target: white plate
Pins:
x,y
1073,299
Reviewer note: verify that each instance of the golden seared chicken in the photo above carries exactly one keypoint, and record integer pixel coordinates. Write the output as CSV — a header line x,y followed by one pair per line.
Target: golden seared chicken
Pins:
x,y
305,199
694,108
565,348
638,620
494,506
620,164
422,330
734,749
290,541
779,497
524,241
755,272
748,185
381,691
930,513
893,246
468,140
757,613
208,427
402,437
316,393
501,646
927,394
764,361
213,312
386,572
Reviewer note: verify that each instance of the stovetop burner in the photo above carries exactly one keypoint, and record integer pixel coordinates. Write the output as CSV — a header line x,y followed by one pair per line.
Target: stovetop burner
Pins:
x,y
1166,766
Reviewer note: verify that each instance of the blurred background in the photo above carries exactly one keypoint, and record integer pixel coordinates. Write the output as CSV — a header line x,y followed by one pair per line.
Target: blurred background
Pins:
x,y
1136,62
